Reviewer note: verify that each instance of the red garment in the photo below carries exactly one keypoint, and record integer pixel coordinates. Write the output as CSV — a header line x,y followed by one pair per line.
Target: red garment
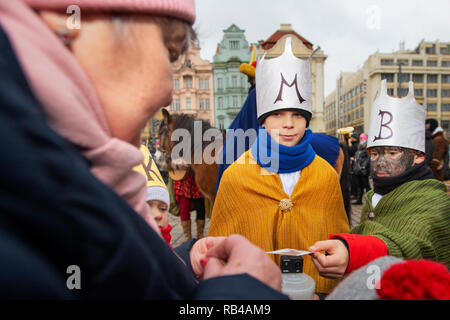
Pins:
x,y
185,208
415,280
187,188
165,232
362,249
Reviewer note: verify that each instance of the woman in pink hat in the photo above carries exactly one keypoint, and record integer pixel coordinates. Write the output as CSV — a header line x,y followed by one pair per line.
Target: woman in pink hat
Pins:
x,y
79,81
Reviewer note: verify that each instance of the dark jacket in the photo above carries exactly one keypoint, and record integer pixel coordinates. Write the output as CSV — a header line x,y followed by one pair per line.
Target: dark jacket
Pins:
x,y
361,165
55,214
429,146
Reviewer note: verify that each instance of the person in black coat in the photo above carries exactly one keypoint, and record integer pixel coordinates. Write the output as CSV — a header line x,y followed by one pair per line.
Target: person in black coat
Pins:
x,y
65,234
361,170
354,140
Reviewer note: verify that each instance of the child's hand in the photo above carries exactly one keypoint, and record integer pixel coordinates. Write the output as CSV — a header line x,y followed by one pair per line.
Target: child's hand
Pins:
x,y
198,252
332,266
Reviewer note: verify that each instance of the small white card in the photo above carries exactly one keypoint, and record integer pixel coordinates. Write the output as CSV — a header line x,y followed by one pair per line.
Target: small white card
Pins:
x,y
290,252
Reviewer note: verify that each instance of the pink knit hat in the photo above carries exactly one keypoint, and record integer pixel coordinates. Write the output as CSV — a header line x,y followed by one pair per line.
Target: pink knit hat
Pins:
x,y
363,137
181,9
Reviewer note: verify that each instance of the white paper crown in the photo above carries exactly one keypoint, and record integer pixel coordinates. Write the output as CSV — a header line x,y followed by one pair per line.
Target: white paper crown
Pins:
x,y
398,122
283,83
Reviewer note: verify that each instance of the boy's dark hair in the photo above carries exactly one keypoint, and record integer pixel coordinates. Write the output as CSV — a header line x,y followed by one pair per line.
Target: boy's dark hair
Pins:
x,y
307,115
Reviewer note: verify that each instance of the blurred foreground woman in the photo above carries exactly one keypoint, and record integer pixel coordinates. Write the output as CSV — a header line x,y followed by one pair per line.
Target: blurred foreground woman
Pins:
x,y
73,101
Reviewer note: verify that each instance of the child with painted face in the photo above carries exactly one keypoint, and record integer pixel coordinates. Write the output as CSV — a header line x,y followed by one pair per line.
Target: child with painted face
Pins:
x,y
407,214
280,194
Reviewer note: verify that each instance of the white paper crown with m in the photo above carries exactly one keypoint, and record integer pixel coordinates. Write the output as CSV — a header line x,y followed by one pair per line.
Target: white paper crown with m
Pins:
x,y
283,82
398,122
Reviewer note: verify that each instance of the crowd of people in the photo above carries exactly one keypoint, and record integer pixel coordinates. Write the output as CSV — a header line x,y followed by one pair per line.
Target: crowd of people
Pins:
x,y
79,189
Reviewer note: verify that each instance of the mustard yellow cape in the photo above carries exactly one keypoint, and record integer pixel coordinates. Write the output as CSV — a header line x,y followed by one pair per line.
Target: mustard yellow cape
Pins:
x,y
248,200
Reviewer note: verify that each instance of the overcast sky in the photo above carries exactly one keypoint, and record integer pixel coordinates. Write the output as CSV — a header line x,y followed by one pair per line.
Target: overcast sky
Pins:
x,y
347,30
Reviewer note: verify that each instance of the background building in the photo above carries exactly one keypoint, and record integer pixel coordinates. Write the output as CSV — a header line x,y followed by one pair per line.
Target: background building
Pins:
x,y
428,66
193,90
230,86
303,49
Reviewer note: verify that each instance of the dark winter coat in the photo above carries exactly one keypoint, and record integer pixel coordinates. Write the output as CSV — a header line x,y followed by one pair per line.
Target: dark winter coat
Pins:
x,y
361,165
57,218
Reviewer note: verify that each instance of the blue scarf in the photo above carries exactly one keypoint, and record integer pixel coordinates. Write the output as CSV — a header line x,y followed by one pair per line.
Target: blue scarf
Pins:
x,y
279,158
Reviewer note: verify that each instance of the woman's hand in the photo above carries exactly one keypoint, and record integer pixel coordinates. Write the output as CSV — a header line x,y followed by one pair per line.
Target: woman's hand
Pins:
x,y
198,253
331,266
236,255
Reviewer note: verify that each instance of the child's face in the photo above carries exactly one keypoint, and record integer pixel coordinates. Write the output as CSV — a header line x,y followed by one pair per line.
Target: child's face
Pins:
x,y
286,127
391,161
159,211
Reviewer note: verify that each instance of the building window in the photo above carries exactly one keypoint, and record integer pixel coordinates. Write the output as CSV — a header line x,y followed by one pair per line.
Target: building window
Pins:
x,y
235,101
203,84
388,76
418,92
403,62
445,78
172,106
431,49
403,77
402,92
204,104
445,63
220,103
432,92
445,49
234,44
417,78
387,62
445,107
177,104
445,93
219,83
188,103
417,62
221,124
432,63
234,82
188,82
432,78
431,107
176,84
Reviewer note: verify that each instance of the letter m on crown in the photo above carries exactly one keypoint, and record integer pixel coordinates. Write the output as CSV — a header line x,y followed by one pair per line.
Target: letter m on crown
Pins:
x,y
284,82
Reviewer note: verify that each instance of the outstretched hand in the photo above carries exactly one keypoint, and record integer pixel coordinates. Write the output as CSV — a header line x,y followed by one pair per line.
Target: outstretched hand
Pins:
x,y
334,264
236,255
198,253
